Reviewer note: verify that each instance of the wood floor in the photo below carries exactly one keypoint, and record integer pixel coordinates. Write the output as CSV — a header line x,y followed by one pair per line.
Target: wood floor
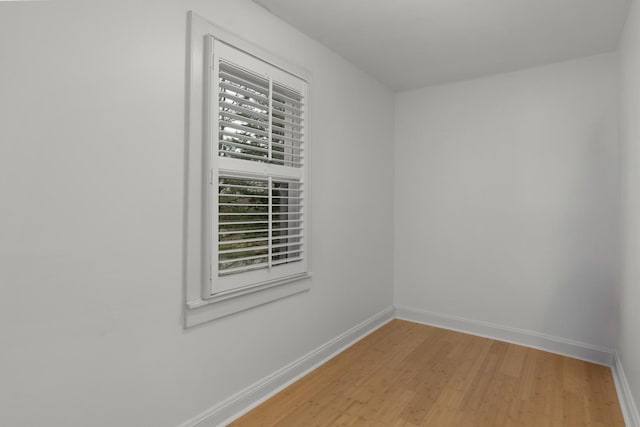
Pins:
x,y
408,374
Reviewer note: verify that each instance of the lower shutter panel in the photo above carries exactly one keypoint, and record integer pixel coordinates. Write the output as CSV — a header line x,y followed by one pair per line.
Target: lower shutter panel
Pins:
x,y
260,223
243,224
287,231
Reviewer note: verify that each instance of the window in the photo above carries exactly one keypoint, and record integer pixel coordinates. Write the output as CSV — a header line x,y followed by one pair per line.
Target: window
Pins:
x,y
246,235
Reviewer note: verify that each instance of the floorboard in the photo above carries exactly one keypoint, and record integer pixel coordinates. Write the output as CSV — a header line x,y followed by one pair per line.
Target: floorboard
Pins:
x,y
407,375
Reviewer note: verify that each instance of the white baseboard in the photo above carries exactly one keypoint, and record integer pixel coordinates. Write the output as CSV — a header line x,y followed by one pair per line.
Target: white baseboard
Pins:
x,y
627,404
552,344
247,399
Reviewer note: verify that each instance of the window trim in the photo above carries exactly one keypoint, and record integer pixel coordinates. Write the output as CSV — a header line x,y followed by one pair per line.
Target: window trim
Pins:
x,y
200,305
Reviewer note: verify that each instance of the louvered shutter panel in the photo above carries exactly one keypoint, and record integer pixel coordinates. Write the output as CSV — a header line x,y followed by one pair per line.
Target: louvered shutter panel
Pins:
x,y
243,114
287,127
258,224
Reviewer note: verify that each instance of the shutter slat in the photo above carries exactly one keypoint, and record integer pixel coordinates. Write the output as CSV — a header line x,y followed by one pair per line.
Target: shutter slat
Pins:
x,y
287,162
244,214
258,85
244,146
247,258
286,261
288,229
287,106
239,109
221,223
249,130
298,251
247,231
258,98
248,267
244,156
243,262
290,93
245,249
241,72
286,237
255,239
278,121
287,205
242,195
226,205
257,248
287,147
285,154
237,101
248,187
277,136
281,129
242,136
252,121
286,100
294,119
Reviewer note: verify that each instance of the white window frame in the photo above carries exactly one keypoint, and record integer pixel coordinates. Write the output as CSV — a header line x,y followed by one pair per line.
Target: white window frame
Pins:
x,y
202,303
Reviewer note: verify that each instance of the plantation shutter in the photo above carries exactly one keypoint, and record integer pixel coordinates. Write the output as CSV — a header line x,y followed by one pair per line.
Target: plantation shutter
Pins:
x,y
257,151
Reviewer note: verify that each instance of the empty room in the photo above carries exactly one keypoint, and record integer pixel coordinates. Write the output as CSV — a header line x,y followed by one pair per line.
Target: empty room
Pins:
x,y
320,213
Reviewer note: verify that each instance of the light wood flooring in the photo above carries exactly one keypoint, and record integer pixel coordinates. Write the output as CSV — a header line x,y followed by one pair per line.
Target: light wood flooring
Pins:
x,y
408,374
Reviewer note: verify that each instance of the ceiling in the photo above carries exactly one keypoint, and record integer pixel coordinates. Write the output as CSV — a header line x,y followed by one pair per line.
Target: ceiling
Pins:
x,y
408,44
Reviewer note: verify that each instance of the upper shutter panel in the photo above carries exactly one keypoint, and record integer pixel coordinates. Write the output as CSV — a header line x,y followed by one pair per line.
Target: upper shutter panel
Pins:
x,y
243,121
259,118
287,130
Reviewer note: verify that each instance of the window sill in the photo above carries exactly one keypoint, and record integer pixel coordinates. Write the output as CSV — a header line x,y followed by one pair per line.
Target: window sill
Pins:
x,y
226,303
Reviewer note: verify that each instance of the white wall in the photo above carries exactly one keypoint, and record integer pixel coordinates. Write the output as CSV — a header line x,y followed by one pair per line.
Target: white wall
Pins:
x,y
91,187
629,344
506,200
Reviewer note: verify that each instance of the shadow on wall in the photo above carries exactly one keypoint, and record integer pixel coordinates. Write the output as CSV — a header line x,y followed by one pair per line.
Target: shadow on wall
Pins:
x,y
586,247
